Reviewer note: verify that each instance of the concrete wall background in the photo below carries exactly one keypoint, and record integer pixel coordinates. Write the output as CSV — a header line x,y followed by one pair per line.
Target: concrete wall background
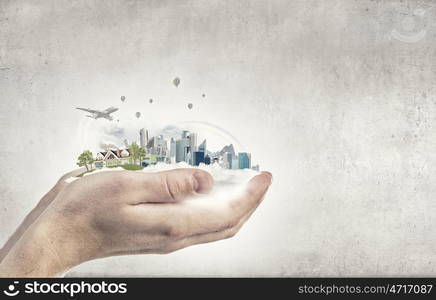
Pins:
x,y
326,94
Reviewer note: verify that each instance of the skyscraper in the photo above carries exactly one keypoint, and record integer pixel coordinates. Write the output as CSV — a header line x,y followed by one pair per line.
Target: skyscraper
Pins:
x,y
244,160
150,143
172,148
198,158
143,138
235,162
182,149
227,160
192,146
202,147
161,145
157,145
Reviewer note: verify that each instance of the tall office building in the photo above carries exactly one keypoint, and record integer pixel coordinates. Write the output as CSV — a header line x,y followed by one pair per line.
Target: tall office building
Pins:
x,y
172,148
202,147
235,162
161,146
172,152
192,146
189,157
244,160
193,141
157,145
143,138
182,149
150,143
227,160
198,158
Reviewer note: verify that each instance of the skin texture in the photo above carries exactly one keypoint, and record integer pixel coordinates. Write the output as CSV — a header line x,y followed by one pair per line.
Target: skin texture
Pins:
x,y
121,213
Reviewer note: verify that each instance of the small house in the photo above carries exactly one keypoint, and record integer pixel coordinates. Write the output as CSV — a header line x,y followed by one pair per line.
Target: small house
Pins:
x,y
112,158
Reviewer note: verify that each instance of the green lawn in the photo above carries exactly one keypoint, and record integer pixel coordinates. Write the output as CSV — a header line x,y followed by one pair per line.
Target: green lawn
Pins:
x,y
129,167
132,167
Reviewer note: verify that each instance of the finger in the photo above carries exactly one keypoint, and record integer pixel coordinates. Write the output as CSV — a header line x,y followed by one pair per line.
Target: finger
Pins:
x,y
169,186
209,237
199,217
201,239
227,232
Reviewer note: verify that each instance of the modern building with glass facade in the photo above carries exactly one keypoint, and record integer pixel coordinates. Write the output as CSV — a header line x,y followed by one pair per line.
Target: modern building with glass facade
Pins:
x,y
244,160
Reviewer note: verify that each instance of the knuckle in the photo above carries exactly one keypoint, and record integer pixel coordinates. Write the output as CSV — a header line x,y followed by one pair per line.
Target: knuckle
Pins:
x,y
179,187
174,189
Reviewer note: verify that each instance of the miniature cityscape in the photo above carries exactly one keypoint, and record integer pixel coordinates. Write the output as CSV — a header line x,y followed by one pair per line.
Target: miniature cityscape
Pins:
x,y
157,149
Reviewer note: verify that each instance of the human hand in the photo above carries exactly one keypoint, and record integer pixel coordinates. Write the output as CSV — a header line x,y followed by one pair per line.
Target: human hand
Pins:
x,y
125,212
38,210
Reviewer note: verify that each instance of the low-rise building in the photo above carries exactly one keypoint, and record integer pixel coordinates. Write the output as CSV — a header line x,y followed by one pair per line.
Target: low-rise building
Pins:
x,y
112,158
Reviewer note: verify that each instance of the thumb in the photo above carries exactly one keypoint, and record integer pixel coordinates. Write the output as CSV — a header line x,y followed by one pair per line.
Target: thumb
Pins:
x,y
174,185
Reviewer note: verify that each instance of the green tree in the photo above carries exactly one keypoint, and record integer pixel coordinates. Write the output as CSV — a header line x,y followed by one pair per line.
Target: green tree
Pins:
x,y
137,153
85,159
142,154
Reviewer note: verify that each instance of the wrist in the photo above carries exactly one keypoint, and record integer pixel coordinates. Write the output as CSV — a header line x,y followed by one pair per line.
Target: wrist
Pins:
x,y
49,247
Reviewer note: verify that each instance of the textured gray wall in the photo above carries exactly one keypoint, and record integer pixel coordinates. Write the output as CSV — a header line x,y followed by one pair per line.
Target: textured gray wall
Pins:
x,y
335,98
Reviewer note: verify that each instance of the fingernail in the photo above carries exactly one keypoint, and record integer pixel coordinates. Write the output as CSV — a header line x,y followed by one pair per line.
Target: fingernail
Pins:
x,y
202,182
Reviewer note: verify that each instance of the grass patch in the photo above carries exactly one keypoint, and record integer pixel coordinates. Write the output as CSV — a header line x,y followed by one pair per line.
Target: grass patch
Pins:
x,y
80,175
132,167
128,167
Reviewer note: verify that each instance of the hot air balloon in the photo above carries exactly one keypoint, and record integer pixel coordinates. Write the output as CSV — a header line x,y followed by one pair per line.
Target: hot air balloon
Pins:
x,y
190,106
138,114
176,81
123,98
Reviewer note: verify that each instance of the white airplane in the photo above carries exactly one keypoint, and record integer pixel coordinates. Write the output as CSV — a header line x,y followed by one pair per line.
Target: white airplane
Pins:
x,y
96,114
